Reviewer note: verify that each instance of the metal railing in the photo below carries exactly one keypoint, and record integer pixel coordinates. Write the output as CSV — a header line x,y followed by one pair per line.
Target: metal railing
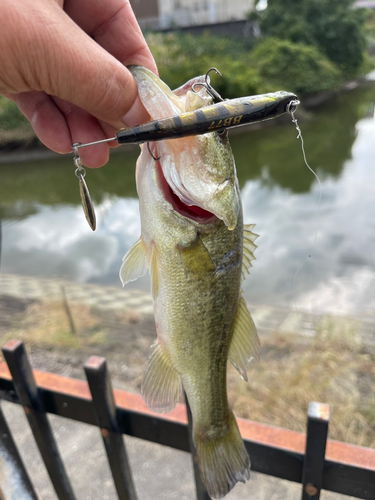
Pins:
x,y
311,459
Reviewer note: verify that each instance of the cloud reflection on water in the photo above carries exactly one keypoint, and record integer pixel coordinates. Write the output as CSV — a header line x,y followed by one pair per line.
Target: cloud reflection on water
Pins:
x,y
57,242
340,276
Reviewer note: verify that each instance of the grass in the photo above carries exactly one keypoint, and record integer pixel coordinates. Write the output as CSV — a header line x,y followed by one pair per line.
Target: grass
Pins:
x,y
46,325
333,367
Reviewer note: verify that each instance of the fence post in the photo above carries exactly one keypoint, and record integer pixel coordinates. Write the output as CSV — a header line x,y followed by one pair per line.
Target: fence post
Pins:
x,y
105,409
199,486
14,480
316,439
27,392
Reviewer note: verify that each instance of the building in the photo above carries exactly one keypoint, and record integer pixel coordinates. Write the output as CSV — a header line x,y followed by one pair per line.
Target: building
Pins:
x,y
162,14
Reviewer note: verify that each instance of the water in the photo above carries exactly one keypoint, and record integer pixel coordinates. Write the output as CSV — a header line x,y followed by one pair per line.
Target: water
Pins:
x,y
45,233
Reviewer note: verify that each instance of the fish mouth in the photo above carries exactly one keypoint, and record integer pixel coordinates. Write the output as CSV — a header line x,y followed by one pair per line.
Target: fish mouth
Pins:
x,y
197,175
192,212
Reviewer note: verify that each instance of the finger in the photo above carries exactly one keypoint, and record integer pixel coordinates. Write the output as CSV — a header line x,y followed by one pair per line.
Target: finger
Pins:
x,y
109,132
46,119
64,61
85,128
58,125
114,26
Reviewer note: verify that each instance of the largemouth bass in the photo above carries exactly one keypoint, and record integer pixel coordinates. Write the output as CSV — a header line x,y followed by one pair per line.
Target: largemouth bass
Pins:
x,y
196,249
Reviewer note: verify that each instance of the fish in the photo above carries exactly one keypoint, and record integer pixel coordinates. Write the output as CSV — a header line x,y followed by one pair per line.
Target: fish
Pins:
x,y
197,251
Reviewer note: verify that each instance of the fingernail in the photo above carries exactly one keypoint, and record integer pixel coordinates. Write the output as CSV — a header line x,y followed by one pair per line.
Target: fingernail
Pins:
x,y
136,114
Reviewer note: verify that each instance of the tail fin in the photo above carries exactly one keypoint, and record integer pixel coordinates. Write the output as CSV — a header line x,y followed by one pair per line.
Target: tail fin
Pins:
x,y
223,460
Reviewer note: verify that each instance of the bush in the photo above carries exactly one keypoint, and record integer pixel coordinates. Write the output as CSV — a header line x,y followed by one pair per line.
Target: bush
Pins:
x,y
295,67
181,57
10,117
273,64
335,27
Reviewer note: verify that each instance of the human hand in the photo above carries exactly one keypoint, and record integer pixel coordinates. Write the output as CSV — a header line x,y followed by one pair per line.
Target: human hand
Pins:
x,y
63,64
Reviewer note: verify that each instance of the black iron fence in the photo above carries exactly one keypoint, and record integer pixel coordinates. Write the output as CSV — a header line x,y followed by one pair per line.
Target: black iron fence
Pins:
x,y
312,460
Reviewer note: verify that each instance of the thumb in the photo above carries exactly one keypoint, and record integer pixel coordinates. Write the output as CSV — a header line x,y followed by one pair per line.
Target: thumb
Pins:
x,y
48,52
78,70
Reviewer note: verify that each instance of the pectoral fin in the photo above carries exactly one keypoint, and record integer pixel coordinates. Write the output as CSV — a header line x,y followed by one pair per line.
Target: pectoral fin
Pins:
x,y
248,248
196,258
134,263
245,342
161,385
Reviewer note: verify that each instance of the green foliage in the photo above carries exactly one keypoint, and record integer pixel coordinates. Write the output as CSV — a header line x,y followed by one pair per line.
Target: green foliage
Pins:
x,y
290,59
370,27
198,45
181,57
294,67
273,64
333,26
10,117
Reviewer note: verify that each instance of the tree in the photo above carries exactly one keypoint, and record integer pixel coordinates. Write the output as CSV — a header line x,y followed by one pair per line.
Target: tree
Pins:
x,y
335,27
295,67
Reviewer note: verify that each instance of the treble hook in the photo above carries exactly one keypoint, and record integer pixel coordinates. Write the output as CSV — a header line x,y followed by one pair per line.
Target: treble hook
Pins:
x,y
208,86
149,150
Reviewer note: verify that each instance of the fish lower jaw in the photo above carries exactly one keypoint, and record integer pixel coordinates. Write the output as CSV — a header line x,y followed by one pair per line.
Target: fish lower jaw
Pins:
x,y
192,212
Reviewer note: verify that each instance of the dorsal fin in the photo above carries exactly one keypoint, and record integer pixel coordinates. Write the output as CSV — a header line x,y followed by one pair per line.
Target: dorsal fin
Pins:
x,y
248,248
161,385
134,263
244,345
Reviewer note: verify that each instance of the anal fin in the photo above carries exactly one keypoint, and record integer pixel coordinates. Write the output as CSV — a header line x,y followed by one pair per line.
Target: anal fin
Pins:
x,y
161,385
245,342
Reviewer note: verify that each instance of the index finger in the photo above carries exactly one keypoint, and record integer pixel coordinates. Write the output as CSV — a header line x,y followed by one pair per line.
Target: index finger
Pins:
x,y
112,24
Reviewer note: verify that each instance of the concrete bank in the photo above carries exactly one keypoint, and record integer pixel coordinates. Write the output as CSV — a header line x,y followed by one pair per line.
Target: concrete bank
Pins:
x,y
268,319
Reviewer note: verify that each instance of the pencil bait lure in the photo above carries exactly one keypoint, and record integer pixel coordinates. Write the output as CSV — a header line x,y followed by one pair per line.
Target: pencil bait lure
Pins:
x,y
220,116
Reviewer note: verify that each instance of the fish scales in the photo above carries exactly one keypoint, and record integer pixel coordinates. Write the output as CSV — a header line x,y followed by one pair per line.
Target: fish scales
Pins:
x,y
198,323
192,242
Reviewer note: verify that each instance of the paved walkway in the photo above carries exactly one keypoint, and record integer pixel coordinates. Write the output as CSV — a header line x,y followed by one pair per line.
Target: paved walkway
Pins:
x,y
103,297
267,318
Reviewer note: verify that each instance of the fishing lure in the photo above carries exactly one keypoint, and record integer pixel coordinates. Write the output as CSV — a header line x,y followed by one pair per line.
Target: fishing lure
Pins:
x,y
80,172
217,117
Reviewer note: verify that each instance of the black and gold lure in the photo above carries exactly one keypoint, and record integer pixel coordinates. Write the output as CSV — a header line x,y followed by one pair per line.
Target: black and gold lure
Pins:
x,y
222,115
213,118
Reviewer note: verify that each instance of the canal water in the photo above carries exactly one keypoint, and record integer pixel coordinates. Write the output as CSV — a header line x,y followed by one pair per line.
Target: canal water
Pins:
x,y
45,234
